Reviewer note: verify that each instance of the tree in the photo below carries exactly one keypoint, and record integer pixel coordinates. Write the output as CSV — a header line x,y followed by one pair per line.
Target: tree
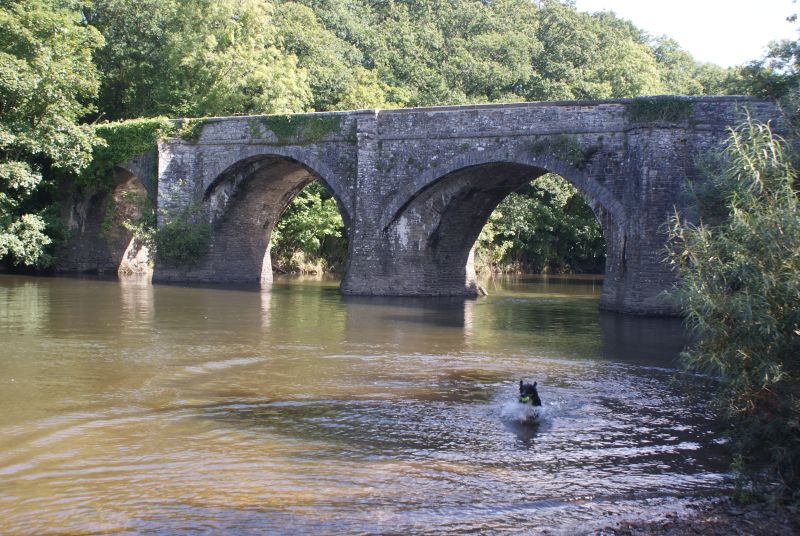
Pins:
x,y
47,81
336,76
543,227
195,58
312,227
590,57
681,74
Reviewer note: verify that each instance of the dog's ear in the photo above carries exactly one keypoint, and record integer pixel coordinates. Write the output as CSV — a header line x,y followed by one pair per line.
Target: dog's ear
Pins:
x,y
520,386
534,385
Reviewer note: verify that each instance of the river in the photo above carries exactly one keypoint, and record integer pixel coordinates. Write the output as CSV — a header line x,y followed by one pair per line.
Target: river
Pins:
x,y
129,407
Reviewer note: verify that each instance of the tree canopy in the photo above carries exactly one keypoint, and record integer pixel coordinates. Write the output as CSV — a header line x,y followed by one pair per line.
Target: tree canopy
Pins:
x,y
194,58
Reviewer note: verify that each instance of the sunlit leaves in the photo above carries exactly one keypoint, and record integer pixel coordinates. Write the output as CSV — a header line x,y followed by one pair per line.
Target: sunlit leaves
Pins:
x,y
24,239
47,82
190,58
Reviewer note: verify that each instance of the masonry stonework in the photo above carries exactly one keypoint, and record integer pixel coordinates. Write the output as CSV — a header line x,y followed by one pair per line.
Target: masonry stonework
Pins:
x,y
415,186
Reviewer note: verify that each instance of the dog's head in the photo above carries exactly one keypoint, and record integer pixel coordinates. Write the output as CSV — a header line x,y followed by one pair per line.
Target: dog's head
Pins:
x,y
528,393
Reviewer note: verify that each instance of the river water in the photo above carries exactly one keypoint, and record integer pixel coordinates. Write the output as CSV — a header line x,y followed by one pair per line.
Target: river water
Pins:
x,y
130,408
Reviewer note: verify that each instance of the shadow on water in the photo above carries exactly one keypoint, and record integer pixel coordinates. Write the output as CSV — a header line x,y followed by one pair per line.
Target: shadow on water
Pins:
x,y
525,432
642,340
409,325
394,428
438,311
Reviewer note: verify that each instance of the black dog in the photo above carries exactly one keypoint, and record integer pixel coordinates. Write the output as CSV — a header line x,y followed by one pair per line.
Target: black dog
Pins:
x,y
528,393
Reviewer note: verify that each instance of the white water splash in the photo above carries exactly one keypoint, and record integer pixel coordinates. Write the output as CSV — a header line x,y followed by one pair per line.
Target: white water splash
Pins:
x,y
514,411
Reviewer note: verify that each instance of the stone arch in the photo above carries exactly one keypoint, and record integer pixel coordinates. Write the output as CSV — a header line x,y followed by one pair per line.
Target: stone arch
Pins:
x,y
100,241
229,161
132,199
593,191
433,223
244,202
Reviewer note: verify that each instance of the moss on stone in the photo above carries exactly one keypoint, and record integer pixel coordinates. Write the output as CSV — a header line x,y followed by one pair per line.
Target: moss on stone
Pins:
x,y
414,163
301,129
566,148
658,110
254,126
121,141
108,218
191,129
183,240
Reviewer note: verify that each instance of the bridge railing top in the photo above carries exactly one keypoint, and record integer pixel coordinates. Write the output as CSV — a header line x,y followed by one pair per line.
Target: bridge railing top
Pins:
x,y
492,106
573,103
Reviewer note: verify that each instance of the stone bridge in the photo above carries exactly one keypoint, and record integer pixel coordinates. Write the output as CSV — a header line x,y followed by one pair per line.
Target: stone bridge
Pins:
x,y
415,186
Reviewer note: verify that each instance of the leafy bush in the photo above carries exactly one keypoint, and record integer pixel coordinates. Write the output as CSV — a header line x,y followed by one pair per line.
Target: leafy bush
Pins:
x,y
739,285
47,81
142,228
118,143
184,240
665,109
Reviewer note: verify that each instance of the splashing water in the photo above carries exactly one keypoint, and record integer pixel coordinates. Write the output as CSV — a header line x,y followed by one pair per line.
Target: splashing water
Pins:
x,y
525,413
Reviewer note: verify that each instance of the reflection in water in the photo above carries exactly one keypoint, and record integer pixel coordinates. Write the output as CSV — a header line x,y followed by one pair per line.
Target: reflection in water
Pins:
x,y
136,298
23,306
380,320
635,339
525,432
266,303
134,408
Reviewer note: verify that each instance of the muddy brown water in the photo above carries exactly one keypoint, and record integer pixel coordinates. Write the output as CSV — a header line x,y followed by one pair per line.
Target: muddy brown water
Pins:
x,y
129,407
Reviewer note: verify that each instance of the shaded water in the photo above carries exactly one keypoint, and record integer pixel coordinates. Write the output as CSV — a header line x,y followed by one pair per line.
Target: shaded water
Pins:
x,y
128,407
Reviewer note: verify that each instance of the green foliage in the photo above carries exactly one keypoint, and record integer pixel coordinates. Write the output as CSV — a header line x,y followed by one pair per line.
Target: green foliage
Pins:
x,y
433,52
590,57
544,227
313,225
24,239
739,285
682,75
566,148
191,129
658,110
125,139
493,245
143,228
117,143
774,76
183,240
47,81
188,58
108,217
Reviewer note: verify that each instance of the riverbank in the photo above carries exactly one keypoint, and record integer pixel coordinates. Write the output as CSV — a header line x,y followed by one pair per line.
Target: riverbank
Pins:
x,y
718,517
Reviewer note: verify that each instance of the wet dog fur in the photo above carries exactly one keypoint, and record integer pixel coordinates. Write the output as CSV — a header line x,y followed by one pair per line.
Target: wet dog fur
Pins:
x,y
529,394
